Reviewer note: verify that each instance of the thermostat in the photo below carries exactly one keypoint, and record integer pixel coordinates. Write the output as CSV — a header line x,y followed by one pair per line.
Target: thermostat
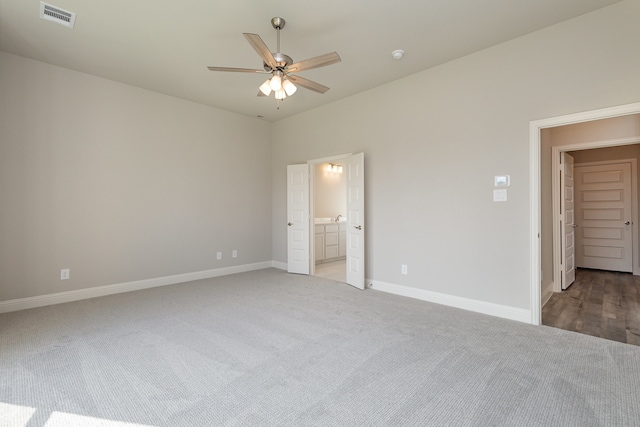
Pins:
x,y
501,181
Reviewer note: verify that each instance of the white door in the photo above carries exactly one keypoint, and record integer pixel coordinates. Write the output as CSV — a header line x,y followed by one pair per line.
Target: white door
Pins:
x,y
298,219
355,220
567,222
603,204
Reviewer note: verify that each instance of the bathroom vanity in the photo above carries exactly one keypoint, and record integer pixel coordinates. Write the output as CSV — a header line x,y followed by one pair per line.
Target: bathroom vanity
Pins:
x,y
330,240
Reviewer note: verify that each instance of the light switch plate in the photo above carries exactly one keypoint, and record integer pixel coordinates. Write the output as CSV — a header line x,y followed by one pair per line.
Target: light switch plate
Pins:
x,y
500,195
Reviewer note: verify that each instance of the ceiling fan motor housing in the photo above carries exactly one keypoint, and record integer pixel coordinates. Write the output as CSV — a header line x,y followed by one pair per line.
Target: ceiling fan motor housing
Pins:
x,y
282,61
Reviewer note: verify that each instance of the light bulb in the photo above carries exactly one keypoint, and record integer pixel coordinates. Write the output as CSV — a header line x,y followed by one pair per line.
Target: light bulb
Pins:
x,y
281,94
265,88
329,167
339,169
276,83
289,87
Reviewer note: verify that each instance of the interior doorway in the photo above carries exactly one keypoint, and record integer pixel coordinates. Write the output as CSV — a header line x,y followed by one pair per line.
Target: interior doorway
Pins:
x,y
329,214
605,211
542,252
301,236
601,220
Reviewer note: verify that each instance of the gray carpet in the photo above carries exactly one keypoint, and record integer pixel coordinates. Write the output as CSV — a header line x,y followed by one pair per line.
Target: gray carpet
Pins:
x,y
269,348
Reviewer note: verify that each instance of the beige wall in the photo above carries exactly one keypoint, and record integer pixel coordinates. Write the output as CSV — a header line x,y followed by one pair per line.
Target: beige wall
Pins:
x,y
330,192
618,128
434,141
121,184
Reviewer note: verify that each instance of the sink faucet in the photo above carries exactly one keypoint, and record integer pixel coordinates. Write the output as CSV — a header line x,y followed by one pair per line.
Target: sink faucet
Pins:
x,y
338,218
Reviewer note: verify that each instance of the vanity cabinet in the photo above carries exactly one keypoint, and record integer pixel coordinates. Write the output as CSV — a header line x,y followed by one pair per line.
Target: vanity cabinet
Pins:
x,y
330,241
319,242
342,241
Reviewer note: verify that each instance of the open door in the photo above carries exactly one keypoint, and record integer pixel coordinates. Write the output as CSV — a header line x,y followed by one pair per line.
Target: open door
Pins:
x,y
355,220
568,225
298,219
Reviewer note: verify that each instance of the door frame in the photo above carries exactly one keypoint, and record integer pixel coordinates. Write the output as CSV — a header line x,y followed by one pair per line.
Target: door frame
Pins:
x,y
535,214
312,236
556,153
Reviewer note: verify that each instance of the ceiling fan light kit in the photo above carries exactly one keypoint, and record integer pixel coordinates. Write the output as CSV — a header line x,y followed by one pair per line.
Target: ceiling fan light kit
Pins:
x,y
289,87
279,65
265,88
276,81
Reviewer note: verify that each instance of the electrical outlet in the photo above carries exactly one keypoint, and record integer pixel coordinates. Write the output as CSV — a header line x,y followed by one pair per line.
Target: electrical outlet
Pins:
x,y
219,256
404,268
234,253
64,274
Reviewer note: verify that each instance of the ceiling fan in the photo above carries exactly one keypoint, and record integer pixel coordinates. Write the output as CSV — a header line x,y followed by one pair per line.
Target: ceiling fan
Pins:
x,y
280,66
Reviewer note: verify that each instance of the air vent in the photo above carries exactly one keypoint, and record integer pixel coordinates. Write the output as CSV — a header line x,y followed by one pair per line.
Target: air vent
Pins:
x,y
55,14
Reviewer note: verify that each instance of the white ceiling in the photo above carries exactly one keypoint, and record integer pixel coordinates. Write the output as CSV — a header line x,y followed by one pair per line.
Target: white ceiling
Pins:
x,y
166,46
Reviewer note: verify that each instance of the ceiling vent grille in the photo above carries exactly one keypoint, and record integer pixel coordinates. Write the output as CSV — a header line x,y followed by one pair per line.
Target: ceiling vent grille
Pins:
x,y
57,15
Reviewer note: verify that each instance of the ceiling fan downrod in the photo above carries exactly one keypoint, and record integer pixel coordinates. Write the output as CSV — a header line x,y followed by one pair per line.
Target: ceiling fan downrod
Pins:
x,y
278,24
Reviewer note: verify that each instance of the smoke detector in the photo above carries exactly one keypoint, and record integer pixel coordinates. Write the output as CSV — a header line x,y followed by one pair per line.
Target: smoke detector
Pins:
x,y
55,14
397,54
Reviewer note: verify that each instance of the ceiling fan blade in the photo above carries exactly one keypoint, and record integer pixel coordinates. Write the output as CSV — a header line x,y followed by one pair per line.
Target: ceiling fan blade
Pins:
x,y
307,84
260,93
238,70
316,62
256,42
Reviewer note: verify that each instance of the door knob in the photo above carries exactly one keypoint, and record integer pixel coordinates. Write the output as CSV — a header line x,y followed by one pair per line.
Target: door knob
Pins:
x,y
289,224
627,223
575,225
357,227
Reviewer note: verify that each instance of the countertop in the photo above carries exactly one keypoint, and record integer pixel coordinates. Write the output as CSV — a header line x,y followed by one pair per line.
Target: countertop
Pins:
x,y
325,221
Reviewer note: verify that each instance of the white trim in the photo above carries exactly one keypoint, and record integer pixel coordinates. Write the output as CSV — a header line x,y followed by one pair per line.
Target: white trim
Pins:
x,y
535,226
534,188
99,291
279,265
329,159
503,311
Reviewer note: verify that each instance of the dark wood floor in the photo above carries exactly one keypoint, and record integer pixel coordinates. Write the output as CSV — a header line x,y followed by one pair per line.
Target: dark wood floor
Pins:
x,y
604,304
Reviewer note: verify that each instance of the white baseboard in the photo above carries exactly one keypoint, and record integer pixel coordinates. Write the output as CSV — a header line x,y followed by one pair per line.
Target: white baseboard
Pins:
x,y
279,265
506,312
483,307
99,291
